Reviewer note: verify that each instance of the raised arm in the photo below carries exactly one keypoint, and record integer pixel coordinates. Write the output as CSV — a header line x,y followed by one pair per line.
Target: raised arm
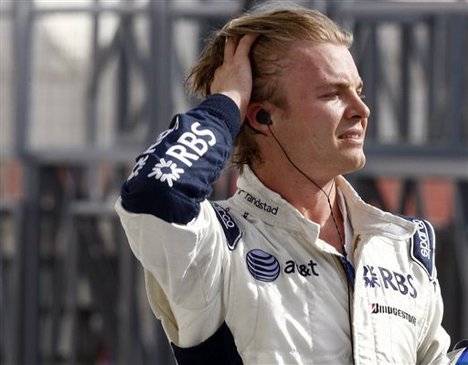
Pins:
x,y
175,174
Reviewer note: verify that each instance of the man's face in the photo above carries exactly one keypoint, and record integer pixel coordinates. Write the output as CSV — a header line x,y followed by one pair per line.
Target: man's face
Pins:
x,y
323,125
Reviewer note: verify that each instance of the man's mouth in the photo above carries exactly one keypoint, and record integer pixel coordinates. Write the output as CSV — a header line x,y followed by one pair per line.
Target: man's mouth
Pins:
x,y
352,135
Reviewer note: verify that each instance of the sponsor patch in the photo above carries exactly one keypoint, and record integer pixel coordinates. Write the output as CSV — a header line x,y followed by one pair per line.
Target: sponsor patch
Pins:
x,y
377,308
189,147
167,171
258,202
386,279
309,269
230,228
423,246
262,265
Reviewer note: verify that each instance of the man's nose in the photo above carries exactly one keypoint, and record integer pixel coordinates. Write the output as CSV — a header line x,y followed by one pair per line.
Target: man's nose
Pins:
x,y
358,108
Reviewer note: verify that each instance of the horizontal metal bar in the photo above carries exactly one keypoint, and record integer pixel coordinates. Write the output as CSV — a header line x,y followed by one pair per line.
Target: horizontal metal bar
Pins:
x,y
92,208
415,166
93,9
177,9
186,9
83,156
399,8
426,150
183,9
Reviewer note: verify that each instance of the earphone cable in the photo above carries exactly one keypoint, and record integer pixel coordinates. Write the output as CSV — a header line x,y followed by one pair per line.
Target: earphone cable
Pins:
x,y
317,185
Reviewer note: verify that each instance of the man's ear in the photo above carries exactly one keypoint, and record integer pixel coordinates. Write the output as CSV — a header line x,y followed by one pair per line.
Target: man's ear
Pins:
x,y
254,111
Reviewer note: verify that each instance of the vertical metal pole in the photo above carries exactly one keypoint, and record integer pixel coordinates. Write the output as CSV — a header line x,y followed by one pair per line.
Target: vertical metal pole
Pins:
x,y
127,341
457,77
22,33
373,77
436,89
411,189
71,261
28,351
29,333
405,83
159,99
461,253
93,188
10,291
123,92
125,337
92,90
159,85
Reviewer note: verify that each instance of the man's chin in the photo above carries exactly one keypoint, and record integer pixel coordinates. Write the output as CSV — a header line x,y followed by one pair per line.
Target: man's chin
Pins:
x,y
357,165
362,163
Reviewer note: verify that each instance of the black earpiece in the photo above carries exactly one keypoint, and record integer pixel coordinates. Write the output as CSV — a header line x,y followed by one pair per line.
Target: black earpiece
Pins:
x,y
263,117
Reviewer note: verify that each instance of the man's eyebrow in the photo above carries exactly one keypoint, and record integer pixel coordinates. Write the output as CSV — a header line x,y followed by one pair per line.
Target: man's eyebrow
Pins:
x,y
340,85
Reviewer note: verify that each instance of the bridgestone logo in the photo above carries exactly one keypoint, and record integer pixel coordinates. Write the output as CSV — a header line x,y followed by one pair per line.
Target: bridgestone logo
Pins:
x,y
378,308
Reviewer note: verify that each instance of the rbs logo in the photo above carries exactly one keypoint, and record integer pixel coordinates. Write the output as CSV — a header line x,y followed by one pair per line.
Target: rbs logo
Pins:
x,y
190,146
387,279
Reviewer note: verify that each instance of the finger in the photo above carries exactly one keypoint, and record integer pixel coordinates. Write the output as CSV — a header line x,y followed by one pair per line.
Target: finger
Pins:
x,y
245,44
230,48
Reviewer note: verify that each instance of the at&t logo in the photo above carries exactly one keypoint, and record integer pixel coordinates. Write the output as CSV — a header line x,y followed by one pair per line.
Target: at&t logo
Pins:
x,y
262,265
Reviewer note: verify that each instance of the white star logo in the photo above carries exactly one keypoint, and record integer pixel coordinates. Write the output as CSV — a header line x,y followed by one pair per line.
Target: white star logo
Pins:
x,y
166,171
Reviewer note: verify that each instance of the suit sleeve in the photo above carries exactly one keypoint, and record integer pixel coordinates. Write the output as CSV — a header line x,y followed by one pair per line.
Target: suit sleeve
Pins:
x,y
176,173
435,340
172,228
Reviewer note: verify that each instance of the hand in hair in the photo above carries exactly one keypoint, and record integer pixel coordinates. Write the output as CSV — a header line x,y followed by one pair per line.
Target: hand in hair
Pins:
x,y
234,77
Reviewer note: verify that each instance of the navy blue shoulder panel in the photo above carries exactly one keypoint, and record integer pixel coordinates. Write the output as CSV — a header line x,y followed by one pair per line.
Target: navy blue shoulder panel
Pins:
x,y
423,246
230,228
219,349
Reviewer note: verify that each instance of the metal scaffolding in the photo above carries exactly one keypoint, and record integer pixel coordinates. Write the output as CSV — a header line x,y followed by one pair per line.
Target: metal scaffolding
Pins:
x,y
72,292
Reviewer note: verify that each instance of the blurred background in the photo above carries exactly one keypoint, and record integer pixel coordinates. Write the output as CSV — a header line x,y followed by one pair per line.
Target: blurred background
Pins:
x,y
87,84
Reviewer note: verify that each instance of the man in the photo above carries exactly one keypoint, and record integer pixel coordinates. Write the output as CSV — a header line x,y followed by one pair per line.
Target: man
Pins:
x,y
294,268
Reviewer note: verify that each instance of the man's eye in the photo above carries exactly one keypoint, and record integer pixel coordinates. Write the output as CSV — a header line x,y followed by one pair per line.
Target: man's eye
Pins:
x,y
362,96
331,95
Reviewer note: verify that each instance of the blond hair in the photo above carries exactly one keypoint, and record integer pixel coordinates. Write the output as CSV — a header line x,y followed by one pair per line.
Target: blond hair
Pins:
x,y
278,28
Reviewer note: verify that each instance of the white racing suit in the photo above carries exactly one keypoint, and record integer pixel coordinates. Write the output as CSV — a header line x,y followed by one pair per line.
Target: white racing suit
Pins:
x,y
249,281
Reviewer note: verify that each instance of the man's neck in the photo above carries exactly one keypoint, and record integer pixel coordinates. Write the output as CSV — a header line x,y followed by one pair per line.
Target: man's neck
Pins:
x,y
316,201
324,210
